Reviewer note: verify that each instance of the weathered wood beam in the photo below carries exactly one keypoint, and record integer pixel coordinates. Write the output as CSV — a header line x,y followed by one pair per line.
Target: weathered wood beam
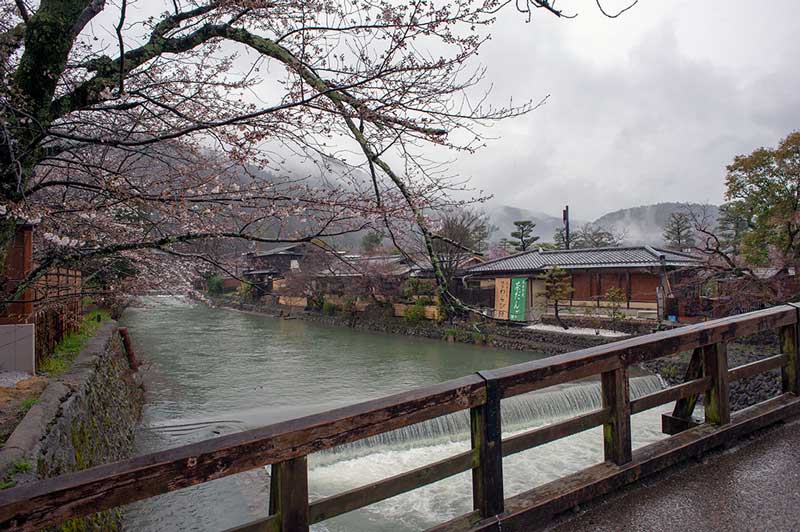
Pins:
x,y
487,446
759,366
717,399
548,433
389,487
790,373
673,393
617,430
538,374
51,501
291,497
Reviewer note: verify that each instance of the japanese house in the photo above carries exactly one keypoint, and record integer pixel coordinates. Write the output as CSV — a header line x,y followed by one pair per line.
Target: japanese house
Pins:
x,y
642,273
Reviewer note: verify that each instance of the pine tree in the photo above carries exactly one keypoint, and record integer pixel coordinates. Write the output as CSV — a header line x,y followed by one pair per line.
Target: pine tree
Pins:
x,y
523,237
678,231
557,288
732,225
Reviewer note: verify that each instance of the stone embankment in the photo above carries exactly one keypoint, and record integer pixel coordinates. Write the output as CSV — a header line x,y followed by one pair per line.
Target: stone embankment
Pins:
x,y
480,332
85,417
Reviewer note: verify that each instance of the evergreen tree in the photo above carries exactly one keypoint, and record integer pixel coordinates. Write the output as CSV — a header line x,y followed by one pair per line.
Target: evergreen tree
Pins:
x,y
560,238
523,237
371,242
557,288
678,231
732,225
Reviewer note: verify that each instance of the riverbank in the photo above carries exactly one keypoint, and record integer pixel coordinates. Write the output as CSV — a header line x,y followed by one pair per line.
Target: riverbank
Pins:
x,y
476,332
86,416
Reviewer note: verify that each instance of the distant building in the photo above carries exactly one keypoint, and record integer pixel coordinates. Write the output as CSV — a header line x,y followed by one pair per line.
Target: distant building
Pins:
x,y
642,273
262,267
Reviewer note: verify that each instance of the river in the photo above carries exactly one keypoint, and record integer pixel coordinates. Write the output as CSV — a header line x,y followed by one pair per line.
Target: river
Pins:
x,y
216,371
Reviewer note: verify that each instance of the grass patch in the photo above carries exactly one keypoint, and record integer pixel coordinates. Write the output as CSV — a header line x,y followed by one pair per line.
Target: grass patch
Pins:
x,y
27,404
72,344
20,466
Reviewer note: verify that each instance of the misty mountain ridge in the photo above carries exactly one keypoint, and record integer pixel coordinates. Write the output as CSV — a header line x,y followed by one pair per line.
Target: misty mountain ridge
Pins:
x,y
641,225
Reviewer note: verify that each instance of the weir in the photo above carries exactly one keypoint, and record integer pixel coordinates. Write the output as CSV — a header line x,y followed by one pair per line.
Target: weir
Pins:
x,y
288,445
521,412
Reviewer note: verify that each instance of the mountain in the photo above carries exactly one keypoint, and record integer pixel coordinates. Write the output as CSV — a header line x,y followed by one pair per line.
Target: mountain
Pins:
x,y
504,216
645,224
640,225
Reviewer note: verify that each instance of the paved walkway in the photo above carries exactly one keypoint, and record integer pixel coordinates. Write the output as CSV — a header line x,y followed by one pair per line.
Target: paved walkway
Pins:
x,y
753,487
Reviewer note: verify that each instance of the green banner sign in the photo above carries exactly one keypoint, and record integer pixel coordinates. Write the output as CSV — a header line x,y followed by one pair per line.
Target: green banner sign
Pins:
x,y
519,299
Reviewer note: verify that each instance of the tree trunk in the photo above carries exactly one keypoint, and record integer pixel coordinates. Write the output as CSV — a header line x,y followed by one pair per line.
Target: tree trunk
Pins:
x,y
558,318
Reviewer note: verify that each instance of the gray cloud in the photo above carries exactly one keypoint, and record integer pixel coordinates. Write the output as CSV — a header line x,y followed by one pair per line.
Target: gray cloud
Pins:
x,y
646,109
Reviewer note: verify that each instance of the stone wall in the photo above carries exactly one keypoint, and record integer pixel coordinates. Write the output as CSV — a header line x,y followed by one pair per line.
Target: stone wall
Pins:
x,y
84,418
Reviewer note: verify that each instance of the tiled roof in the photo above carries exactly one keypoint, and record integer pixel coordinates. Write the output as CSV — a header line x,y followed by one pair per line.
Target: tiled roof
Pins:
x,y
631,257
291,249
378,265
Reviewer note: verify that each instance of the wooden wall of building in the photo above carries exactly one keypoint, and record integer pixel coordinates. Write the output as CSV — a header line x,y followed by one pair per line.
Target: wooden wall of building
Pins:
x,y
592,285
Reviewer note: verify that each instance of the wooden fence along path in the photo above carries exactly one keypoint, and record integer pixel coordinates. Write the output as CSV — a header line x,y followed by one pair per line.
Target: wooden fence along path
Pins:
x,y
286,445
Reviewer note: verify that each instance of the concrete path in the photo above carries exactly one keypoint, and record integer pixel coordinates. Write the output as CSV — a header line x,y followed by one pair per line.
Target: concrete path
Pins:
x,y
753,487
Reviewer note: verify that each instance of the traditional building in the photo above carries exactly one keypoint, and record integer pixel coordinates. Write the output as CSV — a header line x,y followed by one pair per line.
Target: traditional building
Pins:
x,y
642,273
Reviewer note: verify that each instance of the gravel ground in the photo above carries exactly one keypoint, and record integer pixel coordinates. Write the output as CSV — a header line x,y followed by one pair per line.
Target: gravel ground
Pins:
x,y
577,330
11,378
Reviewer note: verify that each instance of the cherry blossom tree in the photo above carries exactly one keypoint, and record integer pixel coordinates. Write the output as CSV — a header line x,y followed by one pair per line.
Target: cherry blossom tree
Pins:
x,y
137,133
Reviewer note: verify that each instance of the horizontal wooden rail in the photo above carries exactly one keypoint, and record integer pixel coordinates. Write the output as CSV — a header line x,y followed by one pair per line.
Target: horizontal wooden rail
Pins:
x,y
543,373
760,366
389,487
287,444
673,393
33,506
549,433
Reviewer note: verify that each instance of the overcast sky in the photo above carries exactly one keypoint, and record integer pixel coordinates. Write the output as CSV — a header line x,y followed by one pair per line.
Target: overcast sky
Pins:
x,y
645,108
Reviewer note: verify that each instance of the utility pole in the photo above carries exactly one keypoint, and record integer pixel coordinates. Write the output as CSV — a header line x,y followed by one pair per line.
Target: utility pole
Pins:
x,y
565,217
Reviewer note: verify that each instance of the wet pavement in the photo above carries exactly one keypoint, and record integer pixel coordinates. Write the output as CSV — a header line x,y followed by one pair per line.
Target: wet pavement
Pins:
x,y
753,487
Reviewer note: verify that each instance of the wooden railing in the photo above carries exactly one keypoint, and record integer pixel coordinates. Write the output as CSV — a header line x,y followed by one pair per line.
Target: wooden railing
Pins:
x,y
286,445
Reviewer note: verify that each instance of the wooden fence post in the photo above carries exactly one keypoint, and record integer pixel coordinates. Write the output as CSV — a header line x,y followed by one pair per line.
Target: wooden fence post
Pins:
x,y
790,373
288,497
487,477
717,400
617,430
681,417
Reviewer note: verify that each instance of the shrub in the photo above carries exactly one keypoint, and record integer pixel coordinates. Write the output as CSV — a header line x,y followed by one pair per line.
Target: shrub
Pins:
x,y
418,287
316,302
245,290
615,297
329,308
214,284
414,313
479,338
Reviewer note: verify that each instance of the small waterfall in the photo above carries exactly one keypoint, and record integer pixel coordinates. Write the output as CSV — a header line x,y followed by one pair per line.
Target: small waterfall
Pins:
x,y
518,413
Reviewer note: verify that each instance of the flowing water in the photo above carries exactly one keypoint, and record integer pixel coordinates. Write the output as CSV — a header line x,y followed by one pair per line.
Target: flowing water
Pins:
x,y
216,371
